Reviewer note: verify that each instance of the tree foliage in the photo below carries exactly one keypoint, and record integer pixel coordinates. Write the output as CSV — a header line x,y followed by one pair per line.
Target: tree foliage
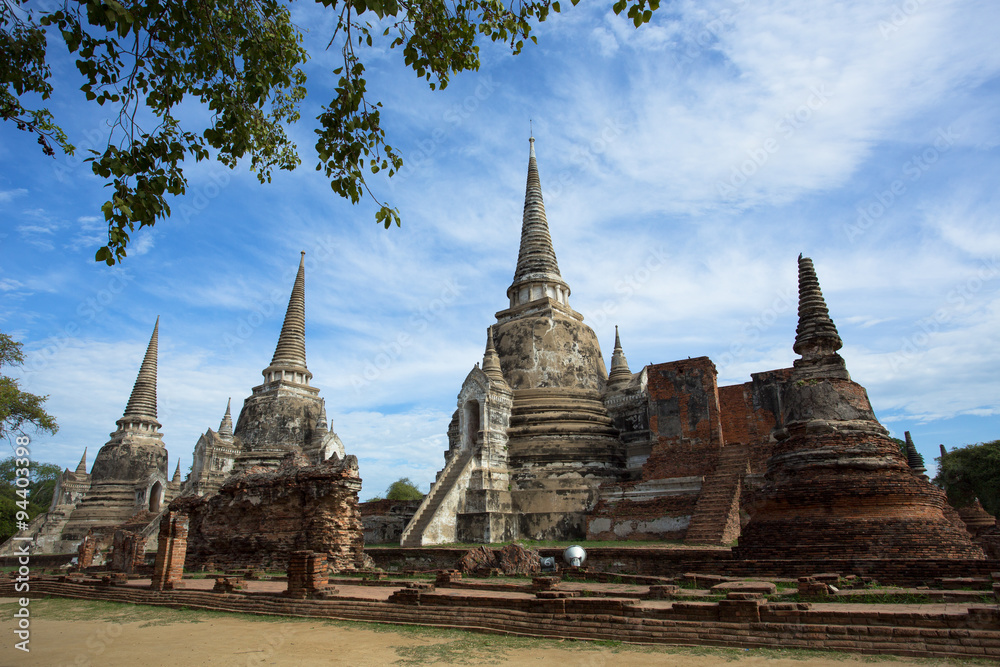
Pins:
x,y
403,489
972,472
241,59
33,499
19,409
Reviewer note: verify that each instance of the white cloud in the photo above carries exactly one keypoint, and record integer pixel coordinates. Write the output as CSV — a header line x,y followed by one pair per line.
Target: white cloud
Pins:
x,y
9,195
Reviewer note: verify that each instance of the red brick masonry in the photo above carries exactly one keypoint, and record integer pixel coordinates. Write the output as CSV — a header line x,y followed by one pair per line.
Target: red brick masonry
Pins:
x,y
742,621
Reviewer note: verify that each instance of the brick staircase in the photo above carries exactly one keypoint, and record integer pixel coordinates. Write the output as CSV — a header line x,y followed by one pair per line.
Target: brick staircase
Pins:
x,y
716,517
414,532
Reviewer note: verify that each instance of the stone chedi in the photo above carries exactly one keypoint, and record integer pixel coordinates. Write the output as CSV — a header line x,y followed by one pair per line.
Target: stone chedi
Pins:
x,y
213,459
285,414
129,475
531,440
289,485
836,485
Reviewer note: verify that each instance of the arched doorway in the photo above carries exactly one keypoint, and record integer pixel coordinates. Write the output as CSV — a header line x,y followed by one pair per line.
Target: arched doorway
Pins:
x,y
471,423
155,497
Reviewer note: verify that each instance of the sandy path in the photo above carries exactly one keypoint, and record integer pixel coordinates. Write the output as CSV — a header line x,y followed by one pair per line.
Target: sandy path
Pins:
x,y
216,640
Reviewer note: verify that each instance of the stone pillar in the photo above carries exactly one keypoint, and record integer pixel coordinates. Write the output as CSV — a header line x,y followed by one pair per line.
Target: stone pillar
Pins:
x,y
85,552
170,552
308,575
128,552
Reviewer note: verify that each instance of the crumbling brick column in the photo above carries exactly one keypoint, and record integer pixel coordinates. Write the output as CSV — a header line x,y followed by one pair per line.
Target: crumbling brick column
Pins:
x,y
85,552
170,552
128,552
308,575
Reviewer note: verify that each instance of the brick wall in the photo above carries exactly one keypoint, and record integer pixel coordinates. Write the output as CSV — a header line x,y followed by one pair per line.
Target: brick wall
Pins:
x,y
258,519
684,419
750,411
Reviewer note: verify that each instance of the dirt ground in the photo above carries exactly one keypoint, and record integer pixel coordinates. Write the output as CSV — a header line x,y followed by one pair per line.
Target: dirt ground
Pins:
x,y
81,633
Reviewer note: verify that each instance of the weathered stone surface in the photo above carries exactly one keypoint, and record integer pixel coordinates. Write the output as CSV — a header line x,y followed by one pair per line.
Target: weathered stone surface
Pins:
x,y
259,518
384,520
510,560
836,486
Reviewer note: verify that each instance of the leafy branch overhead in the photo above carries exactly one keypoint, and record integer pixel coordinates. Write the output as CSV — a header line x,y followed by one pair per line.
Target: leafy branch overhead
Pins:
x,y
242,59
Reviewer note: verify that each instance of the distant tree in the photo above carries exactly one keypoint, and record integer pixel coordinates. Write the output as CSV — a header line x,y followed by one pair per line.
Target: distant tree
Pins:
x,y
239,59
403,489
19,409
33,499
971,472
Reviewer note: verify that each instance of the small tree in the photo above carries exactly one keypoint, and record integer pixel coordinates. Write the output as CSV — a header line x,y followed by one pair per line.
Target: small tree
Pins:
x,y
403,489
972,472
19,409
36,498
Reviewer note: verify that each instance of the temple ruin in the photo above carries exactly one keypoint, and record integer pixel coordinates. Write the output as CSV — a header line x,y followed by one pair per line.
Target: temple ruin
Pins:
x,y
544,443
279,482
127,484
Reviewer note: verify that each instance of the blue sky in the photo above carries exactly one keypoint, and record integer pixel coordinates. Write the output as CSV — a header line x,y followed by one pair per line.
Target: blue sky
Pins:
x,y
684,167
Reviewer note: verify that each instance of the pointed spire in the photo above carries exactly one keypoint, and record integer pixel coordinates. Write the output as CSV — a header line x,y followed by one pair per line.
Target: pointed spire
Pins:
x,y
321,421
816,337
619,364
226,425
177,472
536,259
142,402
491,361
290,353
913,457
81,468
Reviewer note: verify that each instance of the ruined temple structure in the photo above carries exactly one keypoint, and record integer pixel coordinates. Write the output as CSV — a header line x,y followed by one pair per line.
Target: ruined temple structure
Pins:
x,y
213,459
285,414
128,482
836,485
280,481
545,444
531,440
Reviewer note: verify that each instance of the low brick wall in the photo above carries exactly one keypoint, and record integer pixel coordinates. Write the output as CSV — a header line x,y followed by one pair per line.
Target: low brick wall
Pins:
x,y
738,623
673,562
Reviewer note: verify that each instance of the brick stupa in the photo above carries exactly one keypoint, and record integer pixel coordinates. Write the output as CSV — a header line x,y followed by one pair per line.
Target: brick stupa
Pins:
x,y
836,485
